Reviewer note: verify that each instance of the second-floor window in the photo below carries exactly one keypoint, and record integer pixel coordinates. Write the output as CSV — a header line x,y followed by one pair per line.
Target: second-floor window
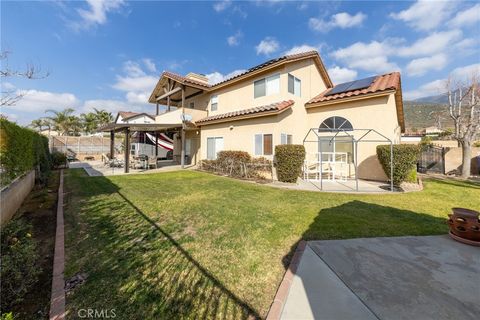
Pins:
x,y
214,103
294,85
266,86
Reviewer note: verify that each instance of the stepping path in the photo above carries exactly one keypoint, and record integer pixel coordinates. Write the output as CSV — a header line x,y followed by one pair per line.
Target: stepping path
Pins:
x,y
57,302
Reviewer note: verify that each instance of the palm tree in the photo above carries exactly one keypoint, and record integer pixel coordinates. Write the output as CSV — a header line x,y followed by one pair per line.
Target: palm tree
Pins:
x,y
62,120
89,122
103,117
37,124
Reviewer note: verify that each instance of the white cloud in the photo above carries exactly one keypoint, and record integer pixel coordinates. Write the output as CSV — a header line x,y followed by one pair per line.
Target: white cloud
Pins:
x,y
341,20
110,105
439,86
301,48
96,14
216,77
340,75
135,84
465,72
222,5
234,40
39,101
468,17
149,64
371,56
432,44
418,67
425,14
133,69
6,86
267,46
428,89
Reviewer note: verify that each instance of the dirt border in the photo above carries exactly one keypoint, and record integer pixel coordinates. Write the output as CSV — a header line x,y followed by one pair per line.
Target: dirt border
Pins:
x,y
57,302
282,292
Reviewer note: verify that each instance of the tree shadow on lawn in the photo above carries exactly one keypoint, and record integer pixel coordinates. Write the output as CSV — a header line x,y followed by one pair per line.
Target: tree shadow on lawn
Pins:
x,y
139,269
358,219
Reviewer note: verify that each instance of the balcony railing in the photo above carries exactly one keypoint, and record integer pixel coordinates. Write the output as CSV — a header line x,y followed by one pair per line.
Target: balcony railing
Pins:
x,y
175,116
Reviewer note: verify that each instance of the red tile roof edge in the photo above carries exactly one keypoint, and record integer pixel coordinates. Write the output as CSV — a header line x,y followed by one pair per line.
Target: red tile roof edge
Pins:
x,y
384,82
275,107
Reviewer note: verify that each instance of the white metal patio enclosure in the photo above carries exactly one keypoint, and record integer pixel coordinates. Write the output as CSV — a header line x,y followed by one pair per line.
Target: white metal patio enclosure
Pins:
x,y
335,157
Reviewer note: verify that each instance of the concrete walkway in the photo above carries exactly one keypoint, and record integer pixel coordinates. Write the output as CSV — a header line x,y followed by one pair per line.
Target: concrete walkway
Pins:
x,y
430,277
97,169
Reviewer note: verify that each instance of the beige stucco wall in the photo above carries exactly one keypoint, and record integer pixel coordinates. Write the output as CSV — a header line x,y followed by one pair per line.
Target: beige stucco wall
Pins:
x,y
453,160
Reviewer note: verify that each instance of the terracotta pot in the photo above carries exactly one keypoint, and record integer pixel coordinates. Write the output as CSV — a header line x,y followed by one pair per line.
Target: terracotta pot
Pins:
x,y
464,224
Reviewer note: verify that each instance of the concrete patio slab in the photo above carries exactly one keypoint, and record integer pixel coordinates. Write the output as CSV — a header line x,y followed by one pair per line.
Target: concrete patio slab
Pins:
x,y
430,277
317,293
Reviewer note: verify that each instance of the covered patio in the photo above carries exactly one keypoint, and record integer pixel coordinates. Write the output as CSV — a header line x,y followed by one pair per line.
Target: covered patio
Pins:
x,y
127,129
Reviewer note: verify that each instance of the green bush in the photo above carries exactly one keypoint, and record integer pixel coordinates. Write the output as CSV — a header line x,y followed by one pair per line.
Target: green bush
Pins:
x,y
238,164
426,142
289,161
21,150
19,256
59,159
404,161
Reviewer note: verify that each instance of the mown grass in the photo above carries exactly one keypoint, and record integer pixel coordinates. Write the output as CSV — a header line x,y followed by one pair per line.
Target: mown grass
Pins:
x,y
194,245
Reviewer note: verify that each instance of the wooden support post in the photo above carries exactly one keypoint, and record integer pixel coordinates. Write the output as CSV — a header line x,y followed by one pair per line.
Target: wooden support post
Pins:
x,y
112,144
127,150
182,160
157,109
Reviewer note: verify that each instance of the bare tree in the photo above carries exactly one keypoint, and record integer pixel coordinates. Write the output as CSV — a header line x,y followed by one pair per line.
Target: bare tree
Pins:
x,y
10,97
464,109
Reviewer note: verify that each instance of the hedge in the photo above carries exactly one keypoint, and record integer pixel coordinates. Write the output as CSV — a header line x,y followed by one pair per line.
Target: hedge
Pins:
x,y
238,164
404,162
21,150
289,160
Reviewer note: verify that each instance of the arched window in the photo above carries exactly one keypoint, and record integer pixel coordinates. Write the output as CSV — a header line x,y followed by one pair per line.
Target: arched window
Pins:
x,y
335,124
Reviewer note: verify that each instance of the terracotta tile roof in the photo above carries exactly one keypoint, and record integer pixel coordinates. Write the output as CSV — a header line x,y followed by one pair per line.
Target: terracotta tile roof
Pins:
x,y
270,62
127,114
381,83
273,108
183,79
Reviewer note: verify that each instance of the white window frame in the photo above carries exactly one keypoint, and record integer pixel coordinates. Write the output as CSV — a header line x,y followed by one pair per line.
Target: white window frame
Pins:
x,y
295,79
215,145
262,154
267,93
214,101
284,138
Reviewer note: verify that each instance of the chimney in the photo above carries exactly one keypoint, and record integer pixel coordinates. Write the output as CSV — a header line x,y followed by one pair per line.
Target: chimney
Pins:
x,y
197,77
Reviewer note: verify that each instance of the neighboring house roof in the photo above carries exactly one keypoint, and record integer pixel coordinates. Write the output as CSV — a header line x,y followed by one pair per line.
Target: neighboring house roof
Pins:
x,y
273,63
382,84
270,109
184,80
129,114
138,115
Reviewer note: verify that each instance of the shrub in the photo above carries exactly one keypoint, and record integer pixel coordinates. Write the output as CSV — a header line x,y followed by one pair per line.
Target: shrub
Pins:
x,y
19,256
404,161
476,144
289,161
426,142
59,159
21,150
238,164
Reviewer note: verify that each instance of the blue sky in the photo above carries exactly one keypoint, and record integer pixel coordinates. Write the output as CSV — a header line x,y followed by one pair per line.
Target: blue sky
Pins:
x,y
109,54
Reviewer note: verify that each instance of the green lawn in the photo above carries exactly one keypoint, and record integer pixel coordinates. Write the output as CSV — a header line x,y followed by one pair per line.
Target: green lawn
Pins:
x,y
194,245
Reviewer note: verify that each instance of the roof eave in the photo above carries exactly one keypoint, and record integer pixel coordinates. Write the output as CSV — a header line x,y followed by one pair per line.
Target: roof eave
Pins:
x,y
309,105
243,117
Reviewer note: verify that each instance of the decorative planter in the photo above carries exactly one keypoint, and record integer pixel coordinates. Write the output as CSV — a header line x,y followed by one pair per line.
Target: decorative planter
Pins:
x,y
464,226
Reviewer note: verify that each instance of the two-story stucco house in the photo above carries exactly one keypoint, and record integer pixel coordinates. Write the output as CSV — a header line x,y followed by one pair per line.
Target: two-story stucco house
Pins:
x,y
290,99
